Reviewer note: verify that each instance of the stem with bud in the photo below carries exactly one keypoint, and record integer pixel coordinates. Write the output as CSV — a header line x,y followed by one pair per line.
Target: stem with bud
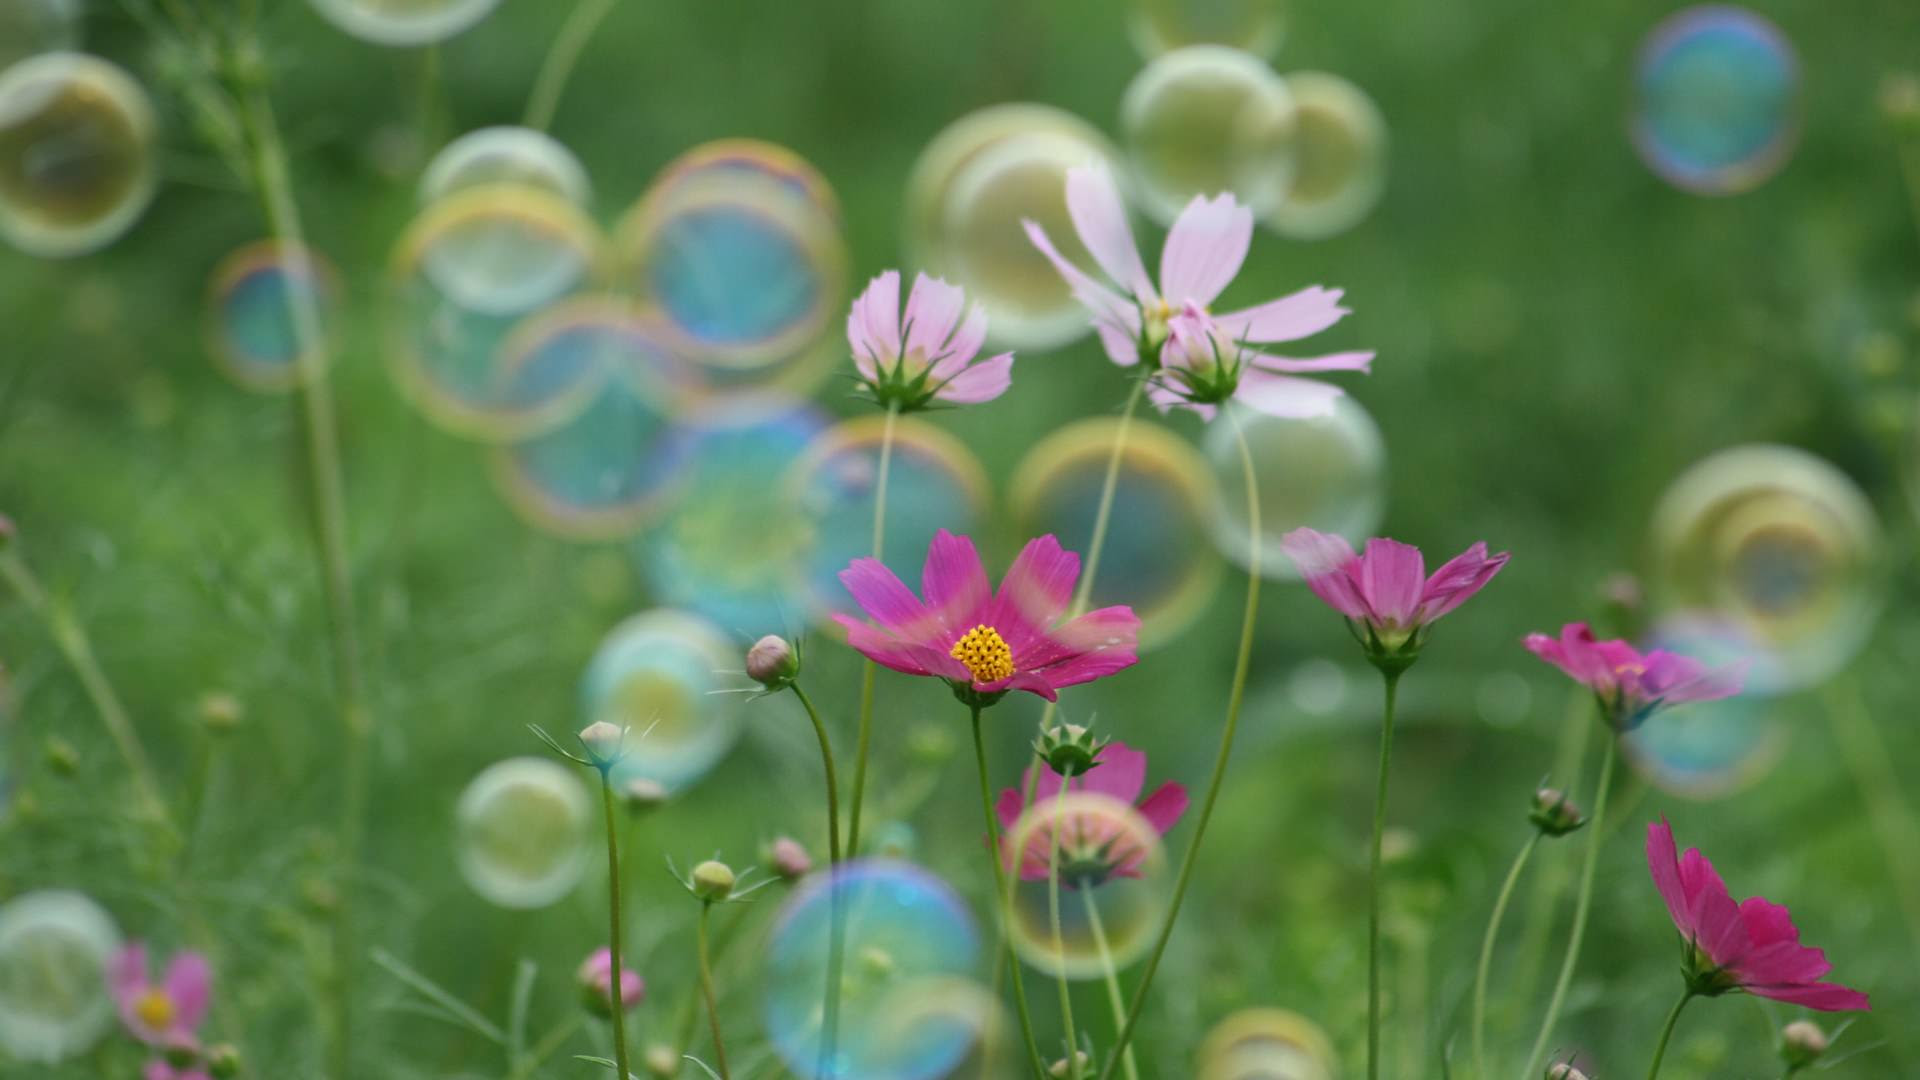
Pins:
x,y
1581,908
1486,954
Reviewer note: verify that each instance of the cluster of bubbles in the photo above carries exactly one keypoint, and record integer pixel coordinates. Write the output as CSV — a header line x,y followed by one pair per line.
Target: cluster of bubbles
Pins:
x,y
54,950
521,832
77,137
1112,885
659,674
404,23
1326,472
255,306
1266,1044
1716,100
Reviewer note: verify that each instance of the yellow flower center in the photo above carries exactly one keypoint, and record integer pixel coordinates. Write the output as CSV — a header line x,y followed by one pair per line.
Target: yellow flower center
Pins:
x,y
155,1009
985,653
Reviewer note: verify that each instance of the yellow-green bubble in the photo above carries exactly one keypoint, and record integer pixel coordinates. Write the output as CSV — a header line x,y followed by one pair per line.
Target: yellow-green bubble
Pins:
x,y
1266,1044
1325,472
1161,26
404,22
1339,151
521,832
1208,119
505,155
1112,881
76,154
660,674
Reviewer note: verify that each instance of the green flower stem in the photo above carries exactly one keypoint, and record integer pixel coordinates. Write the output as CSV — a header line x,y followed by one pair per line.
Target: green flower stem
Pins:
x,y
1595,834
866,677
1555,877
613,920
836,944
833,783
1236,695
1486,954
1003,896
1666,1035
1392,680
568,44
706,991
1111,973
548,1046
1059,940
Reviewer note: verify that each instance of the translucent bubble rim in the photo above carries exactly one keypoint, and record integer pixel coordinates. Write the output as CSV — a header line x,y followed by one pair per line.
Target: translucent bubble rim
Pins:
x,y
1323,218
1737,179
269,256
134,106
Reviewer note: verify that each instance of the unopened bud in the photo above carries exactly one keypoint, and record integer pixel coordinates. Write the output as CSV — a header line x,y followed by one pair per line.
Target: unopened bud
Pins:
x,y
1064,1068
1564,1070
596,984
1553,815
1068,749
713,881
643,794
223,1061
604,742
662,1061
62,758
772,662
220,713
788,859
1802,1042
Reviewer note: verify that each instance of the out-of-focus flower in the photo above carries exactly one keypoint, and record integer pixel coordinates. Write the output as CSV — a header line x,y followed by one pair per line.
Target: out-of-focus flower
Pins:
x,y
166,1012
1068,749
929,355
1092,843
713,881
773,663
1553,813
1630,685
223,1061
1386,595
596,983
1751,946
605,743
643,793
789,859
1564,1070
1802,1043
983,643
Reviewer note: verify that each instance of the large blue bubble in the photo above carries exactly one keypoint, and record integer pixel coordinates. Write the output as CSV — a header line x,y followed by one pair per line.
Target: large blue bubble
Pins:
x,y
1717,109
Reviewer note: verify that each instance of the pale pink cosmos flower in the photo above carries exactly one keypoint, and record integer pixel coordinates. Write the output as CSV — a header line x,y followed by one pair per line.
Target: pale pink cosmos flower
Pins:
x,y
1751,947
596,978
1632,685
164,1013
1119,773
1203,358
984,643
1385,593
928,355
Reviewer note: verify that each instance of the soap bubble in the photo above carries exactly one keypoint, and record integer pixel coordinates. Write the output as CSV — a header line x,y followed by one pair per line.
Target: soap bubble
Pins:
x,y
76,154
751,158
1707,749
657,674
1340,152
1717,100
1267,1044
522,831
1207,119
251,326
519,156
404,22
934,482
970,189
1113,885
906,1012
54,950
1782,546
31,27
1161,26
1157,558
1325,472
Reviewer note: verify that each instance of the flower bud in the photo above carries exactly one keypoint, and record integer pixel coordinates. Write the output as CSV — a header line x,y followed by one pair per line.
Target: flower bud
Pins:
x,y
788,859
713,881
223,1061
62,758
181,1051
604,743
1079,1065
662,1061
772,662
1068,749
1553,815
643,794
596,984
220,713
1802,1042
1564,1070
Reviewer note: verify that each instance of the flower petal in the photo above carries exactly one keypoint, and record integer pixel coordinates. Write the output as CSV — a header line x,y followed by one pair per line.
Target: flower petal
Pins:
x,y
984,381
127,974
960,350
1100,217
891,652
1163,808
886,599
955,585
1663,862
1035,593
873,323
1826,997
1458,579
189,985
1343,361
933,311
1290,318
1326,562
1008,806
1391,576
1108,308
1119,771
1205,248
1286,396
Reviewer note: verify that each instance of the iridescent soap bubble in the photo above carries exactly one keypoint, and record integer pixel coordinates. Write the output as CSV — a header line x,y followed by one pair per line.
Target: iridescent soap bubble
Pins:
x,y
521,832
657,674
1157,557
54,950
933,482
1207,119
1161,26
1266,1044
909,944
76,154
404,22
1708,749
506,155
733,547
30,27
753,158
967,194
1717,100
253,328
1327,473
1782,546
1113,885
1340,158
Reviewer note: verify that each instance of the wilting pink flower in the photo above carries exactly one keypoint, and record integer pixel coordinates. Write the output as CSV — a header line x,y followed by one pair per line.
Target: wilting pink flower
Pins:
x,y
1751,946
1202,358
936,357
164,1013
981,642
1089,840
1386,595
596,978
1631,685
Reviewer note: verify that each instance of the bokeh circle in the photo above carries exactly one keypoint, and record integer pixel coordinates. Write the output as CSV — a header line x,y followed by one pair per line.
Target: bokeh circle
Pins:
x,y
1161,26
1707,749
1324,472
404,23
1340,158
1717,100
1266,1044
55,947
505,155
254,331
77,150
1112,880
659,674
1206,119
521,830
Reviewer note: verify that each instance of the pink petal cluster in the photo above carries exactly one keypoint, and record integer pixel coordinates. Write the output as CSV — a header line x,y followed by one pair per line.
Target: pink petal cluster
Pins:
x,y
166,1013
1387,590
1751,946
1171,323
596,976
919,637
1630,684
932,355
1120,773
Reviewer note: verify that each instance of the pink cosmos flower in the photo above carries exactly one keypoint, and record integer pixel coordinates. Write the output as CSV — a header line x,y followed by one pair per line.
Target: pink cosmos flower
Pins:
x,y
596,978
166,1013
983,643
1120,773
1632,686
936,357
1202,357
1386,595
1751,946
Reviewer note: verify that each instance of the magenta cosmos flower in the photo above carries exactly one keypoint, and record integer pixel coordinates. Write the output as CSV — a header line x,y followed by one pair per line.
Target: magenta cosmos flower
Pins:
x,y
909,362
1385,593
1630,685
1097,846
1200,358
1752,946
983,643
596,980
164,1013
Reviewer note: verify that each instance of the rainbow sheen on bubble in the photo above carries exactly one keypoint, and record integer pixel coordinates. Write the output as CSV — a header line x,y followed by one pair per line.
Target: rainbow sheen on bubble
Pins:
x,y
1266,1044
656,674
77,148
1162,26
1708,749
1782,546
404,22
1326,473
54,949
969,191
521,831
909,947
1206,119
1112,880
933,482
31,27
1157,557
752,158
1340,158
253,328
520,156
1716,100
